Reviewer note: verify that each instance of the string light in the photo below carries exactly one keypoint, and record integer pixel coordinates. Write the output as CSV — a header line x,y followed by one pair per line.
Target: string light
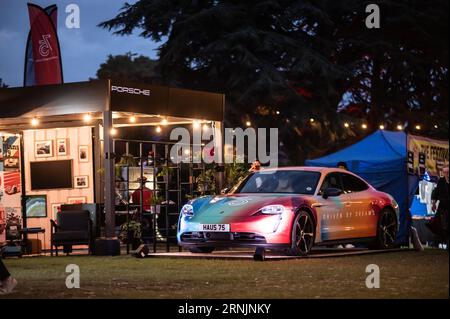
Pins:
x,y
248,123
381,127
435,126
158,129
311,120
196,124
132,119
205,127
346,125
164,121
87,118
364,126
186,152
113,132
34,122
418,127
399,127
277,112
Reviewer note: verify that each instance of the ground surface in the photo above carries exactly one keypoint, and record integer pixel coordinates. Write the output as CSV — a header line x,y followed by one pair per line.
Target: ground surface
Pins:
x,y
403,275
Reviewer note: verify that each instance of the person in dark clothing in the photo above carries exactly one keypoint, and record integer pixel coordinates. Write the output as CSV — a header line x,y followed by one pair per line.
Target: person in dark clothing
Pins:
x,y
7,282
440,193
342,165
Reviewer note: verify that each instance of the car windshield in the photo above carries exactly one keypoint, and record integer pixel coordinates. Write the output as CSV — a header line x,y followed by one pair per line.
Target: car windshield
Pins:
x,y
291,182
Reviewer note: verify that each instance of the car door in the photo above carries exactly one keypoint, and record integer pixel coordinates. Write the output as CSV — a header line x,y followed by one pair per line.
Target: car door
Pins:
x,y
362,220
331,211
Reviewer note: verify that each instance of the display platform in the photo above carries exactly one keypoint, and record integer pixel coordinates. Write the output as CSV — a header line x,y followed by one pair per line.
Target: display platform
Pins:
x,y
249,254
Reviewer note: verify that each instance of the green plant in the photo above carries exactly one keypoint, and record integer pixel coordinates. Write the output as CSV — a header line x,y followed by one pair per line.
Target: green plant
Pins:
x,y
125,160
165,171
132,228
156,200
235,172
206,182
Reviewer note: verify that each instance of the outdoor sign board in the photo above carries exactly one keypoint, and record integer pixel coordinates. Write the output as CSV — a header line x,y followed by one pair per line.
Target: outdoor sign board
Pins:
x,y
426,154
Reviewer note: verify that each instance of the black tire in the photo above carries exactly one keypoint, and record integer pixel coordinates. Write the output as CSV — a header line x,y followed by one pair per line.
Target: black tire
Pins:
x,y
201,250
303,234
386,230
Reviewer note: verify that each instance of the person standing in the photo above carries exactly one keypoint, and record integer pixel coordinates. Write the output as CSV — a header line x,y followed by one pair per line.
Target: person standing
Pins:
x,y
144,192
342,165
440,193
256,166
7,282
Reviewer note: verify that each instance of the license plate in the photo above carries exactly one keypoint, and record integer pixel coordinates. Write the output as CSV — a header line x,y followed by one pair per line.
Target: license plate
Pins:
x,y
215,227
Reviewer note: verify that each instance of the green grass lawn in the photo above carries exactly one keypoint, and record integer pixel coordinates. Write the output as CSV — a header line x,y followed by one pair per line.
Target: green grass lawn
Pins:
x,y
403,275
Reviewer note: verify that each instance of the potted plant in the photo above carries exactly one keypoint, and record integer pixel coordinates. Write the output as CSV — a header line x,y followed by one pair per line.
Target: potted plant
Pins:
x,y
126,160
130,233
206,182
165,173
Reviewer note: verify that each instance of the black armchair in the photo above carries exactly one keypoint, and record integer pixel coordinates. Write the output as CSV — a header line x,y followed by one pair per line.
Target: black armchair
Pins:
x,y
72,227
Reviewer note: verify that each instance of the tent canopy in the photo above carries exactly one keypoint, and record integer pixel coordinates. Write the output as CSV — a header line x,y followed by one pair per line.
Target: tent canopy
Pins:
x,y
380,159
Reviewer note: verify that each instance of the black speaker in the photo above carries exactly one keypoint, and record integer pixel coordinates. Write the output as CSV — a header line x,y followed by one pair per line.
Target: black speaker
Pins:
x,y
142,251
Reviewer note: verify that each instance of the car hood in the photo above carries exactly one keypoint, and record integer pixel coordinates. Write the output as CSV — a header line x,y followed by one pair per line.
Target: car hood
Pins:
x,y
213,208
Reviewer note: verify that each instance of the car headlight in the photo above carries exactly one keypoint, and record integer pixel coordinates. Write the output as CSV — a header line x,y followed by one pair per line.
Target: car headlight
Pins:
x,y
187,210
272,210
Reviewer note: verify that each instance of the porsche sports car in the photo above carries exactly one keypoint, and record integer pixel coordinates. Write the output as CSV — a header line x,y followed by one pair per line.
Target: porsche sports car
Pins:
x,y
291,209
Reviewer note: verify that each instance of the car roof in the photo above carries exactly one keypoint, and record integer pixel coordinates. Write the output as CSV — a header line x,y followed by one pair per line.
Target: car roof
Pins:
x,y
307,168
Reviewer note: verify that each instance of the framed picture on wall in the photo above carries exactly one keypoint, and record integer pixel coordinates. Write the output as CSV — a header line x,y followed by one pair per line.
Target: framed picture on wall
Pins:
x,y
61,147
76,200
81,181
83,154
36,206
43,149
56,208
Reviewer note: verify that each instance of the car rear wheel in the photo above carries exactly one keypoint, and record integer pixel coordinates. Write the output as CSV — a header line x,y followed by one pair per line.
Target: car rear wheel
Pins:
x,y
199,250
386,230
303,234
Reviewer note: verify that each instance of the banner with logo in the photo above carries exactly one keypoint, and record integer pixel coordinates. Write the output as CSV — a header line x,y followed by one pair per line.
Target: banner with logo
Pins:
x,y
426,155
44,46
29,78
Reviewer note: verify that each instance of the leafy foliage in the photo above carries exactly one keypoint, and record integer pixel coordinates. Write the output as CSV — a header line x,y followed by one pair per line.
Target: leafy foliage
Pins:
x,y
129,67
282,63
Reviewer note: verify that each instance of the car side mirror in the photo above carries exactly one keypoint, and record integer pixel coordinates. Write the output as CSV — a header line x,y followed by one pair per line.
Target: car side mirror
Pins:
x,y
225,190
331,192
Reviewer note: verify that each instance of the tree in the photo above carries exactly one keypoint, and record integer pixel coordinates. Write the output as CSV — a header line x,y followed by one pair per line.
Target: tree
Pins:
x,y
255,53
129,67
400,71
288,64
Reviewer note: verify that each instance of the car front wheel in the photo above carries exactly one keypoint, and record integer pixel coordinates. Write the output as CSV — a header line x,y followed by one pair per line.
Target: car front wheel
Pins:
x,y
303,234
386,230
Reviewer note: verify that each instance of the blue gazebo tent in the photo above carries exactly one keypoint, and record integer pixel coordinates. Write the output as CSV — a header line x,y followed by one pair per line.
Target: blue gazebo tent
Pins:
x,y
380,159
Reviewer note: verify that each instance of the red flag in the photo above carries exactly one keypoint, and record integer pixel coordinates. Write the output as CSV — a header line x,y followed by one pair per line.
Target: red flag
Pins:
x,y
46,51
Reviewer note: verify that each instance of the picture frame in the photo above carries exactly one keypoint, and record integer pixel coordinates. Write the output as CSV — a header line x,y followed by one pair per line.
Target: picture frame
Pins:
x,y
43,149
36,206
81,181
83,154
62,147
56,208
76,200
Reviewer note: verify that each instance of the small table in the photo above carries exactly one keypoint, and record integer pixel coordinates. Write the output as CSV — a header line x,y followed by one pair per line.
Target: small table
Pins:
x,y
34,230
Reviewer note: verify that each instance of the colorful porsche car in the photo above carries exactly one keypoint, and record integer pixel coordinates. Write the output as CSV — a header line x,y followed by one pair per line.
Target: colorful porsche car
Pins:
x,y
291,209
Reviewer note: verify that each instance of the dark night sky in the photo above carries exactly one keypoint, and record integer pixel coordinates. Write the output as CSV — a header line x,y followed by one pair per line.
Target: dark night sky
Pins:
x,y
82,49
